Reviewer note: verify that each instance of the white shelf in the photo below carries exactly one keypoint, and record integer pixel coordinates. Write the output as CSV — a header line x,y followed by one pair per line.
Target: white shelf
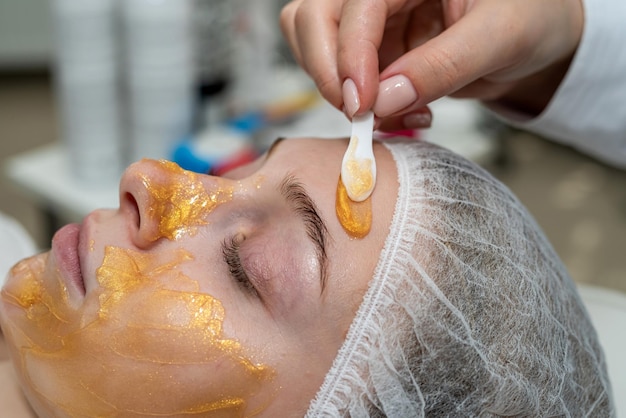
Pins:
x,y
44,174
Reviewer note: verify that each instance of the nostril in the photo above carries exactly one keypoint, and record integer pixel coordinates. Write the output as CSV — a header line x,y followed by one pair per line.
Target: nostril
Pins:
x,y
134,213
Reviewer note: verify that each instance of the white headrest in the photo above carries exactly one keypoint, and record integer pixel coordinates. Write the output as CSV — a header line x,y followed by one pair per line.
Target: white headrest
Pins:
x,y
15,244
608,314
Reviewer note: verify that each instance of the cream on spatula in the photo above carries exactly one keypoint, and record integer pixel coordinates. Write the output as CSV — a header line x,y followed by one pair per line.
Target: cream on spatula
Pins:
x,y
358,168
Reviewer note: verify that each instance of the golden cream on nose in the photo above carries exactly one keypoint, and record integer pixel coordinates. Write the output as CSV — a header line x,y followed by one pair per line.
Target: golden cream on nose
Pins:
x,y
178,201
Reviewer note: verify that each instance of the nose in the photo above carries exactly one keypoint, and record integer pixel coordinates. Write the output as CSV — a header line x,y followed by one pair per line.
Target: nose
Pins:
x,y
161,200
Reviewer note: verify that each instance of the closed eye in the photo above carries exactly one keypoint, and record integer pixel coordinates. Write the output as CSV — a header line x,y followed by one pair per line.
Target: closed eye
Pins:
x,y
230,253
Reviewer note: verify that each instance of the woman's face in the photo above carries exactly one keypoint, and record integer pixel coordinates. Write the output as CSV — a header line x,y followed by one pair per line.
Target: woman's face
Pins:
x,y
200,295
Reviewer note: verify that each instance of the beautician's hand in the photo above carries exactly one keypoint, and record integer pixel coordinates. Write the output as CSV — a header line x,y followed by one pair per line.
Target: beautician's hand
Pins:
x,y
396,56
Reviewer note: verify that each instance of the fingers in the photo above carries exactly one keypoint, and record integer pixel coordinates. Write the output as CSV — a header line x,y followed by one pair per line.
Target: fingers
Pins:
x,y
363,26
455,58
288,28
360,34
418,119
312,36
335,40
311,30
451,46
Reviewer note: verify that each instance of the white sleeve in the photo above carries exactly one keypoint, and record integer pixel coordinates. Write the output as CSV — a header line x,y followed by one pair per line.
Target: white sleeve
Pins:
x,y
588,110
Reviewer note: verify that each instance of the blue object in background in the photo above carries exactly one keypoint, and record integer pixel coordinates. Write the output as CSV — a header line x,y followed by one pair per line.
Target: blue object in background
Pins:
x,y
214,149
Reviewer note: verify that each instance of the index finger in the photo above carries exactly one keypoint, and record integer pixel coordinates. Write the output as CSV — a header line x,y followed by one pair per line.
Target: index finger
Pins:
x,y
312,32
361,30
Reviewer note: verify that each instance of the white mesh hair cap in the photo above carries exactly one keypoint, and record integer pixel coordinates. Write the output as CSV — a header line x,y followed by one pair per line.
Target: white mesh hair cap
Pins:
x,y
469,313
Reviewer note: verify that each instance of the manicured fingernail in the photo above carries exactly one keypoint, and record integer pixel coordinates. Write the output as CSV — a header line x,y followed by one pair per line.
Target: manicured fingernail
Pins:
x,y
394,94
417,120
351,100
403,133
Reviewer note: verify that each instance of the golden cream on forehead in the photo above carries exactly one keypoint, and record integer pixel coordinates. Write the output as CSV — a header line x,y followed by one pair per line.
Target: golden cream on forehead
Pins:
x,y
354,217
178,201
154,344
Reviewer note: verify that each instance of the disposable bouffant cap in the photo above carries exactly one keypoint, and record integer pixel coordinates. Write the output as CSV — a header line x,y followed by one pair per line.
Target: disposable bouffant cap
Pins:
x,y
469,312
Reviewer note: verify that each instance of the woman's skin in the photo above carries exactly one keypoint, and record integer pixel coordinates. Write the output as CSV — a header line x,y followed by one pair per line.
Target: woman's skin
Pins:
x,y
153,270
401,55
12,401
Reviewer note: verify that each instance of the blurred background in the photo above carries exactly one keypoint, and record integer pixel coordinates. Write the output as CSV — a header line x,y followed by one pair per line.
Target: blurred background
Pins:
x,y
86,87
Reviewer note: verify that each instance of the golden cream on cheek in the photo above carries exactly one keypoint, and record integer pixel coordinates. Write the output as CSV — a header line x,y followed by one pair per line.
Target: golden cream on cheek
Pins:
x,y
153,344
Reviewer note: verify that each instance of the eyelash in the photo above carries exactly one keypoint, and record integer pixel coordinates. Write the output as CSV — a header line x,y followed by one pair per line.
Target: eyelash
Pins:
x,y
230,252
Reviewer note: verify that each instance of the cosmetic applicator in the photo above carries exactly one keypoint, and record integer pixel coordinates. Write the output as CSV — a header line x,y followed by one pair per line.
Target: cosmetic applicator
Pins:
x,y
358,167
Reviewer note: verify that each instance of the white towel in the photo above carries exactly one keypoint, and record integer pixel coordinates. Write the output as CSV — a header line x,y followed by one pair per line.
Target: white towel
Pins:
x,y
15,244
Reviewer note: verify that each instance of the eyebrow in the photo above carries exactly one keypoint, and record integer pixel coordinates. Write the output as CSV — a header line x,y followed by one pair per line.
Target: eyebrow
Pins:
x,y
295,194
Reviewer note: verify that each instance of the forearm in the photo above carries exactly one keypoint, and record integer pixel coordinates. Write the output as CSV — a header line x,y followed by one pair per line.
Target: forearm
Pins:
x,y
588,107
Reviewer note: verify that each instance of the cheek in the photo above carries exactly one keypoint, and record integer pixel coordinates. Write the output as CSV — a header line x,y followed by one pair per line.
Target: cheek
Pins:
x,y
35,304
154,345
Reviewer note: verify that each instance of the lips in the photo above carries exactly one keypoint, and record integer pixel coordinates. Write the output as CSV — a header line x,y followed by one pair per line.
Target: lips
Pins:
x,y
65,248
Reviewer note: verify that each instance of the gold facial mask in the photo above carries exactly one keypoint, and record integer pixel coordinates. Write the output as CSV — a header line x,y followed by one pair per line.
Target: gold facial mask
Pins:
x,y
178,200
147,342
355,217
153,345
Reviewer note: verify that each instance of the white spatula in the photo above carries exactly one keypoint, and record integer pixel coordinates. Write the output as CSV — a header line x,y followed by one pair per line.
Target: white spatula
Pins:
x,y
358,168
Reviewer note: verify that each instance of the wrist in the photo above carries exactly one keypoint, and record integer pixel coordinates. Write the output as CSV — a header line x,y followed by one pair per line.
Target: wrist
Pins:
x,y
532,94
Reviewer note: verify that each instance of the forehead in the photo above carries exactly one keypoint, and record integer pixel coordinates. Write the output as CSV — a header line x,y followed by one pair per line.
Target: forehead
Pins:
x,y
314,162
324,149
311,160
